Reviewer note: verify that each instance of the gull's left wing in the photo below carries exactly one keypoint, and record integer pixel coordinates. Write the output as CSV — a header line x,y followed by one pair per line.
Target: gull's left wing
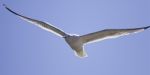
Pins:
x,y
40,24
109,33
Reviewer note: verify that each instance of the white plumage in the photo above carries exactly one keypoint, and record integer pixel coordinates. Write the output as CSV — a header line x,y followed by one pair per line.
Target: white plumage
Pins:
x,y
77,42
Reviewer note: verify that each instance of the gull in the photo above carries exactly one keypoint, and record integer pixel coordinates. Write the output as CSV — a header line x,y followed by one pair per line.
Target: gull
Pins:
x,y
77,42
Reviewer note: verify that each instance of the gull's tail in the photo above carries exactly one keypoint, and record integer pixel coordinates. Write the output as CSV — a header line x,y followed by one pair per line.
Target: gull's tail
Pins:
x,y
81,53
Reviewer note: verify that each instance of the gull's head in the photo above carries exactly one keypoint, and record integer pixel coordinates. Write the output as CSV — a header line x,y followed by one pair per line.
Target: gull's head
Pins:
x,y
71,35
74,35
66,36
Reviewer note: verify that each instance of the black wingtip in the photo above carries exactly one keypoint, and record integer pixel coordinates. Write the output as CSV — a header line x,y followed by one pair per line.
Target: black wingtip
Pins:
x,y
147,27
5,6
10,10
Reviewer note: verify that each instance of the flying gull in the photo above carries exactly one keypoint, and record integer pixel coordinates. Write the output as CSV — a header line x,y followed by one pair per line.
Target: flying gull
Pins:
x,y
77,42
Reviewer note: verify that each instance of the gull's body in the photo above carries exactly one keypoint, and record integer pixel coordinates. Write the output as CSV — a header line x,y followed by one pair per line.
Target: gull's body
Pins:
x,y
77,42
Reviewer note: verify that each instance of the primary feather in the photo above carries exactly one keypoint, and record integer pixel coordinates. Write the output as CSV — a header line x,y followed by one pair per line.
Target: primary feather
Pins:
x,y
77,42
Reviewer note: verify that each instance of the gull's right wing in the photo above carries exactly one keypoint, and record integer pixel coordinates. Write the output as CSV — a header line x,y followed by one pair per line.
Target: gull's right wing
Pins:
x,y
40,24
109,33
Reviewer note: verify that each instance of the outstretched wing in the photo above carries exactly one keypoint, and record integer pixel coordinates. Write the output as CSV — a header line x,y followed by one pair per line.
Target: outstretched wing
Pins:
x,y
40,24
110,33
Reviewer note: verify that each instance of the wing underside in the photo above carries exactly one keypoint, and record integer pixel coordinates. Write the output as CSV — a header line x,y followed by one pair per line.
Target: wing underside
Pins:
x,y
109,33
41,24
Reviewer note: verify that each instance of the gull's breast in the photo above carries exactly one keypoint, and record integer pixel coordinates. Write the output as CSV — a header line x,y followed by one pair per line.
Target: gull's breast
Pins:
x,y
74,42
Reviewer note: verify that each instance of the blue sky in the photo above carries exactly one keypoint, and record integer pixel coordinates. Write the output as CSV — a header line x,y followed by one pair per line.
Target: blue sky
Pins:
x,y
28,50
